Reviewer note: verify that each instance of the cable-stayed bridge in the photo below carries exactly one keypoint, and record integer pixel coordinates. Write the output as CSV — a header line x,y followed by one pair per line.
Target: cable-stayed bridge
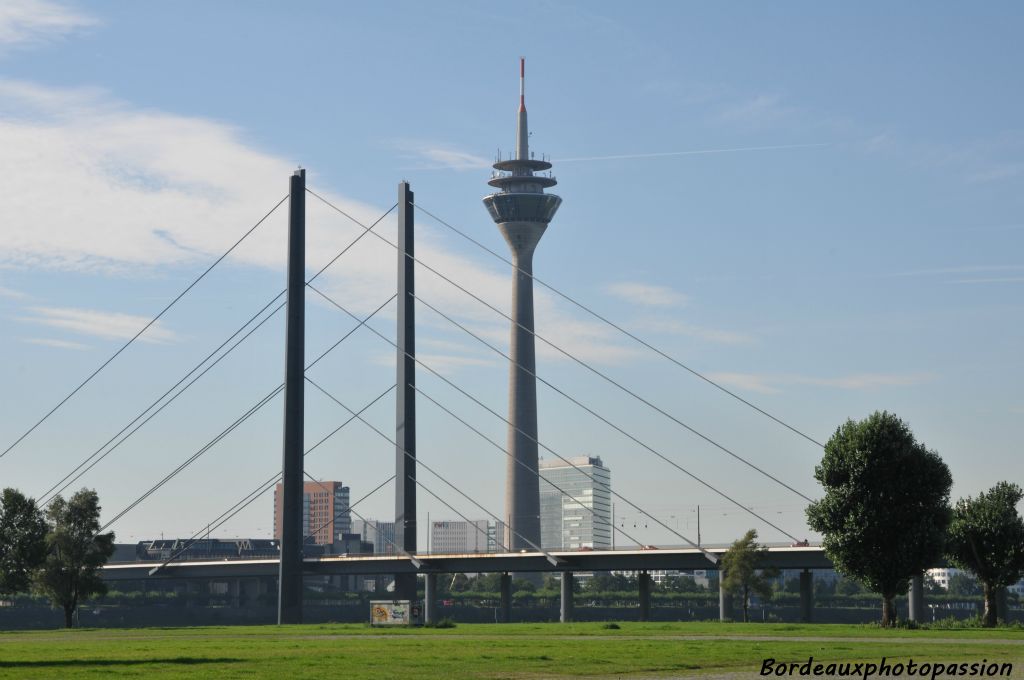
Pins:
x,y
408,561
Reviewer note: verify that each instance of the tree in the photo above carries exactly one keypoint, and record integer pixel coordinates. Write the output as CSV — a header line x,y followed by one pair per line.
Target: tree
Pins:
x,y
886,506
76,551
962,583
931,586
22,541
986,537
847,586
682,583
742,573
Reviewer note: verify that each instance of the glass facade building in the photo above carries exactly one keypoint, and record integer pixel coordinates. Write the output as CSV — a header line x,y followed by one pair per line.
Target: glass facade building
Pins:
x,y
566,520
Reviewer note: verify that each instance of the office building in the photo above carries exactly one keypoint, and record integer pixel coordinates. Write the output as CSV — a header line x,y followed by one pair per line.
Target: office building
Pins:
x,y
576,514
467,537
325,513
380,534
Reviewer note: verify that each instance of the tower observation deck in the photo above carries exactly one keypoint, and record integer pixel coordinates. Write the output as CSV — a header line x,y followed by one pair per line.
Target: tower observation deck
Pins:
x,y
522,212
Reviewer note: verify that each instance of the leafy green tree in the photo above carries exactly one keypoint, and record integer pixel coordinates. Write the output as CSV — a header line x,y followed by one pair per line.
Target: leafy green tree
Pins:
x,y
886,510
682,583
742,566
847,586
76,551
824,587
790,585
962,583
986,538
931,586
22,541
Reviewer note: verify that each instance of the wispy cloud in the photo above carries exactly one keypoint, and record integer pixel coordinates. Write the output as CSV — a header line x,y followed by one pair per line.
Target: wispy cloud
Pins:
x,y
432,156
112,325
772,383
184,188
646,294
764,109
749,382
26,22
11,293
713,335
59,344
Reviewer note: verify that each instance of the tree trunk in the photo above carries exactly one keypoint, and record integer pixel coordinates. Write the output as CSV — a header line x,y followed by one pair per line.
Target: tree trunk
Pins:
x,y
888,612
69,612
989,618
746,604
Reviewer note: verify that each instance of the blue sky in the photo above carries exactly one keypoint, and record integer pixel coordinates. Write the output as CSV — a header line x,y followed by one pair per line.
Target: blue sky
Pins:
x,y
847,237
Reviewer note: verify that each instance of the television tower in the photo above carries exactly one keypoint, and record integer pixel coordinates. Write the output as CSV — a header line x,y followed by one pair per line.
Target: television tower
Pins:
x,y
522,212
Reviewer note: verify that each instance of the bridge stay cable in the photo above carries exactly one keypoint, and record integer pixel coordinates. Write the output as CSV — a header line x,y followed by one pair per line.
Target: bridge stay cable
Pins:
x,y
243,418
552,559
248,499
536,473
143,330
625,389
501,313
665,526
401,551
72,477
622,330
191,372
609,423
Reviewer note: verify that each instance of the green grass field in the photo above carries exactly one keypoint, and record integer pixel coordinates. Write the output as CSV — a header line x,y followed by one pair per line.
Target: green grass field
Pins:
x,y
481,650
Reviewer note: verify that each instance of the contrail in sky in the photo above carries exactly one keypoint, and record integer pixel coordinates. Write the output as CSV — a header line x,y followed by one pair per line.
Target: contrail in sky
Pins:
x,y
689,153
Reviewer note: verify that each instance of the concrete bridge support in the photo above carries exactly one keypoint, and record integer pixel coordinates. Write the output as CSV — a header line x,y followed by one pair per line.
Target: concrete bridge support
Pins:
x,y
505,609
915,599
235,592
806,596
430,599
724,603
566,612
644,583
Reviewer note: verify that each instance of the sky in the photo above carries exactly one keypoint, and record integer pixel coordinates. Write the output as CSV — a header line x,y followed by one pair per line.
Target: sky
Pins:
x,y
819,207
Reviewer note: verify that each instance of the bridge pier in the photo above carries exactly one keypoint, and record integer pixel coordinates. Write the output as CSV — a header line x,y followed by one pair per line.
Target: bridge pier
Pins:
x,y
430,599
406,526
724,601
235,592
505,609
644,585
289,584
806,596
915,599
566,612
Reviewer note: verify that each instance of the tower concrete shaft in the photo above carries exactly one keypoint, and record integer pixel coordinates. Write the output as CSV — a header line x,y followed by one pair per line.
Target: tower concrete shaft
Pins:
x,y
522,212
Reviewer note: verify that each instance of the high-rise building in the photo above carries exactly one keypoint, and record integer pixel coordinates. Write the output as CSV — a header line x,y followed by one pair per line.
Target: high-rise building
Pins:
x,y
566,520
381,534
467,537
325,513
522,212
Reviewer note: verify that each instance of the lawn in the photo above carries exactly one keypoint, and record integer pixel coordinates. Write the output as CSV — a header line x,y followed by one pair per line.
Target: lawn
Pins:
x,y
481,650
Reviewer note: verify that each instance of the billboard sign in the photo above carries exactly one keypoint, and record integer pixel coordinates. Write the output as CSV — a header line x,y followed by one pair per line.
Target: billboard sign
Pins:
x,y
395,613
